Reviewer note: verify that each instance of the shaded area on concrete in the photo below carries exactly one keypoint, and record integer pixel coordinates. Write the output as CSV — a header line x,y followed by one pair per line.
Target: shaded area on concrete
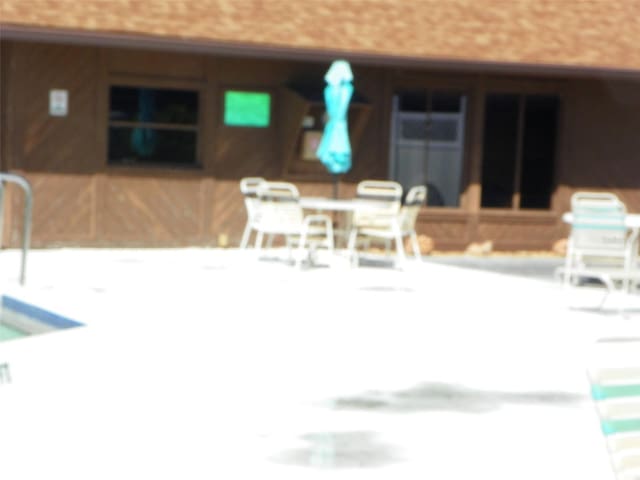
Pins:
x,y
434,396
358,449
387,289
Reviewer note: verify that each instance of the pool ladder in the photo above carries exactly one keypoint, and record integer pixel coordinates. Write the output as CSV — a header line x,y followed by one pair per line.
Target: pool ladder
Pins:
x,y
26,226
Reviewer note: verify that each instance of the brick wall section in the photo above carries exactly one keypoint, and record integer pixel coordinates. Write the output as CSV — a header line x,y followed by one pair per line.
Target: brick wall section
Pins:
x,y
577,33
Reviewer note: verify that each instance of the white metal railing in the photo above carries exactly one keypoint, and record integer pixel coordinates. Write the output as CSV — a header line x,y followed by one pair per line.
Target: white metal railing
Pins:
x,y
26,226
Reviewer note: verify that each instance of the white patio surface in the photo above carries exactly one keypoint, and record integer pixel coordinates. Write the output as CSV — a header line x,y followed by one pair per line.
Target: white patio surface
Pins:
x,y
206,363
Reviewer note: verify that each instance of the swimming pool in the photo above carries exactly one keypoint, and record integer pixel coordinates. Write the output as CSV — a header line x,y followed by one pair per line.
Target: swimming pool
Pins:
x,y
9,333
19,319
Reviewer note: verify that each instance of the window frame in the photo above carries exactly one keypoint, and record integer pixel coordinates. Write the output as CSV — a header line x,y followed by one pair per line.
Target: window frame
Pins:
x,y
136,81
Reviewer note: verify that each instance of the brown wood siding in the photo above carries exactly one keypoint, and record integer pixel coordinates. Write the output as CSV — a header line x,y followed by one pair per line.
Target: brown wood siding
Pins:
x,y
4,97
603,140
237,151
162,64
5,134
80,200
140,209
58,152
55,144
63,209
372,152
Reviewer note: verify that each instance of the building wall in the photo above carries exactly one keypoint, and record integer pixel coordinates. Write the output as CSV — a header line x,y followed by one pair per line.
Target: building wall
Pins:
x,y
603,140
80,200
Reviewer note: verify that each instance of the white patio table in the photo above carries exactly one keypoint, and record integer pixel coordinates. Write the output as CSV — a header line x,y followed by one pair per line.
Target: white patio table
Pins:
x,y
338,204
345,206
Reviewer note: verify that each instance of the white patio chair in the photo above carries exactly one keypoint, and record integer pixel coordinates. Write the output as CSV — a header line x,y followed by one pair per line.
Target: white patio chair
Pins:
x,y
416,199
600,246
281,214
382,222
249,189
614,374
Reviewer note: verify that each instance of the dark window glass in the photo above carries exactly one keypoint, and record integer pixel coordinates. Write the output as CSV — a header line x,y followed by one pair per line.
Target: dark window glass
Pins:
x,y
134,146
444,130
414,129
446,102
538,151
413,101
151,126
500,150
153,105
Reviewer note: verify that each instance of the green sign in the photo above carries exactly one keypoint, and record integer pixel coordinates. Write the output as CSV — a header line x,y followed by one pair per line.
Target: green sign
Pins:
x,y
246,109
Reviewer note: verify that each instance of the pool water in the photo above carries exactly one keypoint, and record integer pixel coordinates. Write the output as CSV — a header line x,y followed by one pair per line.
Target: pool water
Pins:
x,y
9,333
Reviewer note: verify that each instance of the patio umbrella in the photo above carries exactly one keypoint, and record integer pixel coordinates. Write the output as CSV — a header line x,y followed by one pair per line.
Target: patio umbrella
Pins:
x,y
335,150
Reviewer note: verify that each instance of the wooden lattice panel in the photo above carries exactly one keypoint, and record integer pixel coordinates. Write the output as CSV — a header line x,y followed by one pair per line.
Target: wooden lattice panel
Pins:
x,y
63,208
155,210
228,213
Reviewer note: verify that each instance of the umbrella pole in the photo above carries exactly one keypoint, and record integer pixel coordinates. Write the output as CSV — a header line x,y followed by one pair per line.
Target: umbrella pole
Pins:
x,y
336,180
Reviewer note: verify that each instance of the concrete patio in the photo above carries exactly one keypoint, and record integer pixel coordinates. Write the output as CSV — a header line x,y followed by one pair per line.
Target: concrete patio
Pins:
x,y
199,363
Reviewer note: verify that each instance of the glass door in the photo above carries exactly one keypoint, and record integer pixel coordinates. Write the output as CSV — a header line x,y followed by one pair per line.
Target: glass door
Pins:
x,y
427,143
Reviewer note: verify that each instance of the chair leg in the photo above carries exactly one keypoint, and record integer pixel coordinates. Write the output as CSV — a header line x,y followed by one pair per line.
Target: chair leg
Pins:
x,y
245,236
258,247
568,264
330,238
346,228
387,246
351,247
416,246
399,248
300,250
610,286
288,242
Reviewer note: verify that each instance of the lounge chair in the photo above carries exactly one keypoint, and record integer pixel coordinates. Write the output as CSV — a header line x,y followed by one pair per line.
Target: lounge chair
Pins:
x,y
615,388
416,199
600,245
281,214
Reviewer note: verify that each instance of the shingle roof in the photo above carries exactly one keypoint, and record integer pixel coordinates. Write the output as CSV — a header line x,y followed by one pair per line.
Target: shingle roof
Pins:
x,y
575,33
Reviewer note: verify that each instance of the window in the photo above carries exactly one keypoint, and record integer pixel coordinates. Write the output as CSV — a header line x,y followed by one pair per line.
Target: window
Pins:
x,y
427,143
151,126
519,151
246,109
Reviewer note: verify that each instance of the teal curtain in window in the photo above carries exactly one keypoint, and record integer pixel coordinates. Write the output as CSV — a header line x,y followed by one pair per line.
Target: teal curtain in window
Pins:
x,y
143,140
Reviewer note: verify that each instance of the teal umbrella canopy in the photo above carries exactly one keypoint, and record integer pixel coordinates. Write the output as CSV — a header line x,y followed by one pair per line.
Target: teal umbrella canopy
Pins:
x,y
335,150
